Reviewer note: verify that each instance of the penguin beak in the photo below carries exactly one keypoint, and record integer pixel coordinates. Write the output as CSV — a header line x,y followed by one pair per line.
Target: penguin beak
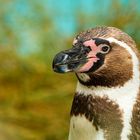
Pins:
x,y
70,60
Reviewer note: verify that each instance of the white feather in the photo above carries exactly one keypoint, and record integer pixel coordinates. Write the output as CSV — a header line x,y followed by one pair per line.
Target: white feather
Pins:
x,y
82,129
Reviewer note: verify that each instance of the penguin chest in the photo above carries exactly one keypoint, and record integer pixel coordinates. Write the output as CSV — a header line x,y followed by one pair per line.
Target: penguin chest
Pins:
x,y
95,118
83,129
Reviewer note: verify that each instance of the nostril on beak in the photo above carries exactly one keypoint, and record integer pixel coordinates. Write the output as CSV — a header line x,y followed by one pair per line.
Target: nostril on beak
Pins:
x,y
65,56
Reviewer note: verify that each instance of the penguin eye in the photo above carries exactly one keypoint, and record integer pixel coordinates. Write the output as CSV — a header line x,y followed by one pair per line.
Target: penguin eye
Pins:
x,y
105,49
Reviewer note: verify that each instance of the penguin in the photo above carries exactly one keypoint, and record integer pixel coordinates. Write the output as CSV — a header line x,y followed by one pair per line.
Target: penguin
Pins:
x,y
106,104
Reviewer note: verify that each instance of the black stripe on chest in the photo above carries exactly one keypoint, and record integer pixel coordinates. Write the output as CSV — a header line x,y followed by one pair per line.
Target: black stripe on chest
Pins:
x,y
102,112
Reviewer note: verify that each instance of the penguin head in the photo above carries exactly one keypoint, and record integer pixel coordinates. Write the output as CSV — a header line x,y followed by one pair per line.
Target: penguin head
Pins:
x,y
101,56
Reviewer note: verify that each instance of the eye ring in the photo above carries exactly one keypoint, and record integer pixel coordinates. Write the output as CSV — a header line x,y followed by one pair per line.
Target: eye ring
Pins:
x,y
105,49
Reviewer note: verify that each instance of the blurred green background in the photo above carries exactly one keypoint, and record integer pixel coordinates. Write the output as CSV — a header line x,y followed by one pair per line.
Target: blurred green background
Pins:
x,y
34,101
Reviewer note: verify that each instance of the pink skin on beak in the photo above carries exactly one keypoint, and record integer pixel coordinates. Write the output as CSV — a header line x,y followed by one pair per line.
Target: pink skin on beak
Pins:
x,y
92,58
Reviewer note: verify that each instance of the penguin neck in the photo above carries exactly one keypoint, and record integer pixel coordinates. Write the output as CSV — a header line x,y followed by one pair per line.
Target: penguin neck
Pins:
x,y
128,92
124,96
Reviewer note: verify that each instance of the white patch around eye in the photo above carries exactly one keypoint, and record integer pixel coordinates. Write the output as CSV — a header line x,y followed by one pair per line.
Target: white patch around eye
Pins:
x,y
104,45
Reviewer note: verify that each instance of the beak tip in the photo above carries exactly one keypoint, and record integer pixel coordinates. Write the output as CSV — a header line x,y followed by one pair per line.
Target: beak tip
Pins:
x,y
60,68
58,65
